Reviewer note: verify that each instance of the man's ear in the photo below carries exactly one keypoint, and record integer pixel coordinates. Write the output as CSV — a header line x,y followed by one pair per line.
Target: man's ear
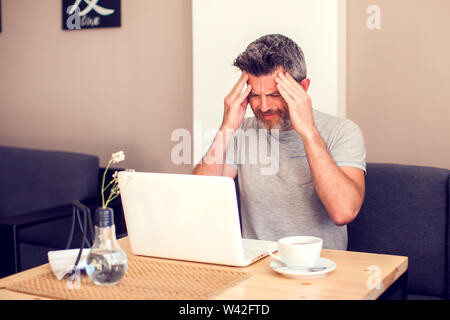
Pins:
x,y
305,84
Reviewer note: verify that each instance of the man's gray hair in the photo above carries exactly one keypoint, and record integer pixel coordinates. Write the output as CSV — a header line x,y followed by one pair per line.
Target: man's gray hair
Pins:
x,y
264,55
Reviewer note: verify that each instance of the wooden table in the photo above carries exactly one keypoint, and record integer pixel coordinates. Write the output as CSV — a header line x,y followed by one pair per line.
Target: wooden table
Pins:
x,y
357,276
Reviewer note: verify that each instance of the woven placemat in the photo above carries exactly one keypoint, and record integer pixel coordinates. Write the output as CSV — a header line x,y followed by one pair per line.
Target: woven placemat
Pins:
x,y
145,279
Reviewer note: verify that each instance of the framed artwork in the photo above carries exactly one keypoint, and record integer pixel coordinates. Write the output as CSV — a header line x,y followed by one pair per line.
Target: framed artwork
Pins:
x,y
88,14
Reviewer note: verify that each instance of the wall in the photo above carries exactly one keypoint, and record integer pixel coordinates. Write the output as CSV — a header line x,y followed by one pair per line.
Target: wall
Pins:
x,y
128,88
398,85
97,91
223,29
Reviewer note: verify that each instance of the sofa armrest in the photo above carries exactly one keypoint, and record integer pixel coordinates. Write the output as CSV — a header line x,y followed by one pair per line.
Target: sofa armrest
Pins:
x,y
41,216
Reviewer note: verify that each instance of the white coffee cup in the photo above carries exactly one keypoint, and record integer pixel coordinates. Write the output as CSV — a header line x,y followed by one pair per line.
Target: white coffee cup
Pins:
x,y
299,251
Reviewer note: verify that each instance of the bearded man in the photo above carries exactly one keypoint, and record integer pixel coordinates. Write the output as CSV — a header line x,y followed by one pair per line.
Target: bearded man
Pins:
x,y
318,187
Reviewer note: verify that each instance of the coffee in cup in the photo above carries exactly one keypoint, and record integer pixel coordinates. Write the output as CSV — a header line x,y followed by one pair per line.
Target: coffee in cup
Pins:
x,y
298,251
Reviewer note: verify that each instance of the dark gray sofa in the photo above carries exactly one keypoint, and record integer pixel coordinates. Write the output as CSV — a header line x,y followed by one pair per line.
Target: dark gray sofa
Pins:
x,y
37,188
406,212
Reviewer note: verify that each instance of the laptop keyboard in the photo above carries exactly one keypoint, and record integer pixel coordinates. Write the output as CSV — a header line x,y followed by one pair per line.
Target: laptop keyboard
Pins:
x,y
255,249
253,253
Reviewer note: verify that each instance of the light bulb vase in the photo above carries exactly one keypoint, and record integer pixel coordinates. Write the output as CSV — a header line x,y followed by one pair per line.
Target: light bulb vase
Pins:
x,y
106,263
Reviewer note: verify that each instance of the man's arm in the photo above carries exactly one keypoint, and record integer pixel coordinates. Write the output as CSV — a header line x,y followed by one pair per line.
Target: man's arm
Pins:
x,y
341,190
235,105
213,163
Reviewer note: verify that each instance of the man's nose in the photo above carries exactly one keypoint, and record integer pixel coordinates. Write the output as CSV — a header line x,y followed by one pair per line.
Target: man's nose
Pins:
x,y
265,106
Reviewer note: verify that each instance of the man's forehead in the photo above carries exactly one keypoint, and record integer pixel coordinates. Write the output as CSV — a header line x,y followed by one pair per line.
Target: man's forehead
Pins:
x,y
264,84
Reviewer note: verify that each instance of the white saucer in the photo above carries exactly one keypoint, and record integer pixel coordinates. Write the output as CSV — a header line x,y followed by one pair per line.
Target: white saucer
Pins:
x,y
280,267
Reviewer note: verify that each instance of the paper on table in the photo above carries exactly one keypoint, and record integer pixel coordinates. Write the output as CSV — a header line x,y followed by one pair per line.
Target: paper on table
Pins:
x,y
62,261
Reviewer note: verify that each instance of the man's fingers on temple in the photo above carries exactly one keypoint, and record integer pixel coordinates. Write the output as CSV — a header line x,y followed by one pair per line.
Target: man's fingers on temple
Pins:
x,y
298,87
284,94
237,89
289,90
244,94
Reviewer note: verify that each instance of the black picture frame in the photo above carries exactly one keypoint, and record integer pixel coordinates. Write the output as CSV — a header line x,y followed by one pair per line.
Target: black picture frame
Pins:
x,y
100,14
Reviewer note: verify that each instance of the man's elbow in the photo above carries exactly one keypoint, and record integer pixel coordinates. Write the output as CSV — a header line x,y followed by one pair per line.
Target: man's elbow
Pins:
x,y
344,217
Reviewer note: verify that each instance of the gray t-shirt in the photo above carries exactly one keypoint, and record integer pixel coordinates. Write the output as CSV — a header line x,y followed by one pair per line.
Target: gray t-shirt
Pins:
x,y
277,196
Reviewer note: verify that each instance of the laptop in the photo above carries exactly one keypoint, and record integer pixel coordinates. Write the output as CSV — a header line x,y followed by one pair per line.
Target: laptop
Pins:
x,y
186,217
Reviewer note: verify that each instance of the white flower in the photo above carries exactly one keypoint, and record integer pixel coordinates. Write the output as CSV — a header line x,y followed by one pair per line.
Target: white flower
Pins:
x,y
113,185
118,156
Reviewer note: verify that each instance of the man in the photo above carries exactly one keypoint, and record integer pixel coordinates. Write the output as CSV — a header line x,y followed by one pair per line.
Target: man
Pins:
x,y
320,183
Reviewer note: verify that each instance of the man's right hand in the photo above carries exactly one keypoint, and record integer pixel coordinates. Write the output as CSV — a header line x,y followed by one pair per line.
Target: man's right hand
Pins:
x,y
236,104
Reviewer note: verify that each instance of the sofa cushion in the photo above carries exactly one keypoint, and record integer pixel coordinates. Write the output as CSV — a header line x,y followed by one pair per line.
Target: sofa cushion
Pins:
x,y
405,213
33,180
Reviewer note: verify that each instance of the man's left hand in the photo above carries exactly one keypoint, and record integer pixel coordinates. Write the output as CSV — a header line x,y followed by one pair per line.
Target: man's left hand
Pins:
x,y
299,104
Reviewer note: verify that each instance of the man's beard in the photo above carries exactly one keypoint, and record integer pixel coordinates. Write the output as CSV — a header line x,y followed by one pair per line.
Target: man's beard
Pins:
x,y
284,122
